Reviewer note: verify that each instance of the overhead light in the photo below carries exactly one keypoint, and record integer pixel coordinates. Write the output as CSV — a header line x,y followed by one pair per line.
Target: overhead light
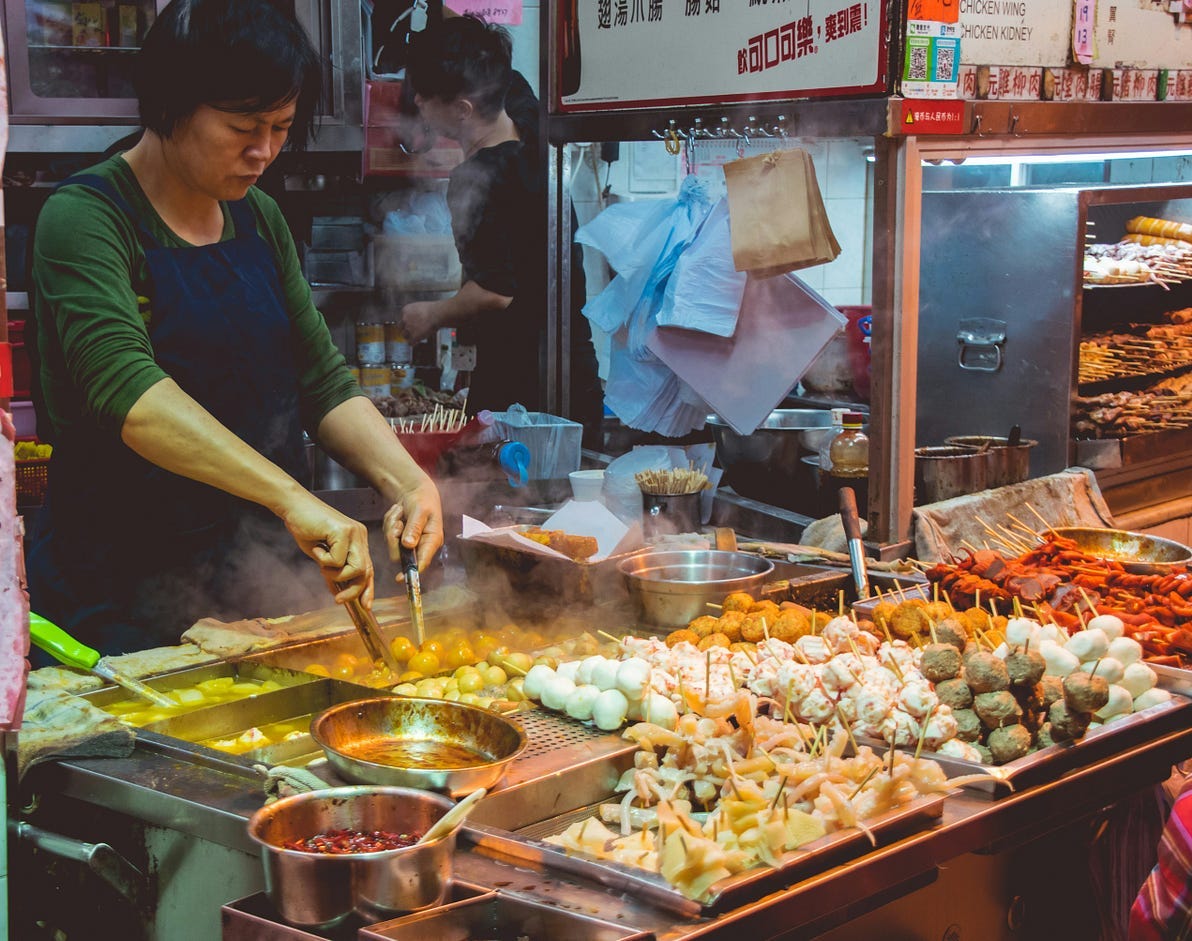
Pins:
x,y
1008,160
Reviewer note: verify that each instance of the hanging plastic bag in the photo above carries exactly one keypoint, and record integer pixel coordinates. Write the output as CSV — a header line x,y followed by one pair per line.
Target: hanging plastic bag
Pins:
x,y
705,291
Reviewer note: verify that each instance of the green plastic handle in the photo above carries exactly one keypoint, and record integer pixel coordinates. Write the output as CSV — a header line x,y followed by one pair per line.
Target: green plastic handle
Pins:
x,y
59,644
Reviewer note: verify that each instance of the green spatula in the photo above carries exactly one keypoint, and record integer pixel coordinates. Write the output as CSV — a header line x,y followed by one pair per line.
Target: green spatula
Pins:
x,y
60,645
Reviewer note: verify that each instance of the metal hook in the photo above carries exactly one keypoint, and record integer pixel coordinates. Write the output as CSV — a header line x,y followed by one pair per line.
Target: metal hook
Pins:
x,y
1013,122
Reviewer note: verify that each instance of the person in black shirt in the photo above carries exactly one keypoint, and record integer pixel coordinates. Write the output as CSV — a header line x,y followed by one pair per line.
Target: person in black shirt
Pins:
x,y
465,89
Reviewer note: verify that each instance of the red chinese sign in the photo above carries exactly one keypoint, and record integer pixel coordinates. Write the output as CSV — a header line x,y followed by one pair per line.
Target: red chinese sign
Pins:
x,y
930,117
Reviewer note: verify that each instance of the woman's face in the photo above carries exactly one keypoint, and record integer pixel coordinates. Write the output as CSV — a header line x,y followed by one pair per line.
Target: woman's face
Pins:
x,y
222,153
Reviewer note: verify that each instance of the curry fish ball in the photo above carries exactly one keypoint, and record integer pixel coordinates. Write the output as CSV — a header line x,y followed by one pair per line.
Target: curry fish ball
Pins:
x,y
884,611
738,601
767,609
1008,743
938,610
1025,667
790,626
683,635
753,628
997,709
985,673
730,625
714,640
703,626
940,662
1084,693
909,620
976,618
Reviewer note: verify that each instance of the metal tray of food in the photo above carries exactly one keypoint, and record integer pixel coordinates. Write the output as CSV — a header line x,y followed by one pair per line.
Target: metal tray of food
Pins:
x,y
831,850
1053,762
819,586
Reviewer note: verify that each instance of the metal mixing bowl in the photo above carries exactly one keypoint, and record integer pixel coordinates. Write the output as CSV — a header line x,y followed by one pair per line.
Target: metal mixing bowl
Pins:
x,y
672,587
317,890
1137,552
345,730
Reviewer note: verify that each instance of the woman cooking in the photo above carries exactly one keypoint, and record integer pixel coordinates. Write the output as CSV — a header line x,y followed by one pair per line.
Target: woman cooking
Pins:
x,y
179,356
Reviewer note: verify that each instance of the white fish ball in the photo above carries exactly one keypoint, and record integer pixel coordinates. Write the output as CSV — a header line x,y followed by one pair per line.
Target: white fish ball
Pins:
x,y
604,674
556,691
1152,697
1088,645
1112,670
632,677
1109,624
660,710
610,709
1060,662
580,703
1052,632
569,669
1125,650
1138,678
536,679
1120,701
583,675
1020,630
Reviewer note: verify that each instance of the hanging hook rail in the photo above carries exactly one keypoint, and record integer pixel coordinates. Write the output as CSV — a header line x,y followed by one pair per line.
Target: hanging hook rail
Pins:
x,y
751,130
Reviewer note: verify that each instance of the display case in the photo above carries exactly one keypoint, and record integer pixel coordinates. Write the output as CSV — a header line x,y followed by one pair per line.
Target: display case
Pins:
x,y
1004,312
70,70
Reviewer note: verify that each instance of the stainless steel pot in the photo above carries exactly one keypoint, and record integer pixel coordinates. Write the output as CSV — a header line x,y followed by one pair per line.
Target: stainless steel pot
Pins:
x,y
1137,552
348,733
1007,465
951,471
316,890
764,465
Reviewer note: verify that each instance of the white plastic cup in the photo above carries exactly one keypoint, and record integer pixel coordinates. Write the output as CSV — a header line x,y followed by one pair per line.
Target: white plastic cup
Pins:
x,y
587,484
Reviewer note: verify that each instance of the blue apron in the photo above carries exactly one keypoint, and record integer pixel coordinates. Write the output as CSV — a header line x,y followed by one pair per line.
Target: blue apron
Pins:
x,y
126,555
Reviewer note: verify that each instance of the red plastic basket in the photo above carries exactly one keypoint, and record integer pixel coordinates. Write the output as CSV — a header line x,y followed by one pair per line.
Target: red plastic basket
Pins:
x,y
32,475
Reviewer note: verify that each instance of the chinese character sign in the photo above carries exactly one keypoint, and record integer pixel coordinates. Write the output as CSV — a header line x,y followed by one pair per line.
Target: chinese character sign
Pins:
x,y
646,53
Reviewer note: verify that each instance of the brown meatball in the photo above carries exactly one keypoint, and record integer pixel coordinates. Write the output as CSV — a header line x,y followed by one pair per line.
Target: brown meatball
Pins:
x,y
997,709
1026,667
952,630
1053,690
1066,725
738,601
985,673
683,634
790,626
1085,693
714,640
704,625
968,725
954,694
1008,743
940,662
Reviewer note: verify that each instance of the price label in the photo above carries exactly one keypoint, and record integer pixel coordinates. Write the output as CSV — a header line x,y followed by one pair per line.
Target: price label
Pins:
x,y
1082,31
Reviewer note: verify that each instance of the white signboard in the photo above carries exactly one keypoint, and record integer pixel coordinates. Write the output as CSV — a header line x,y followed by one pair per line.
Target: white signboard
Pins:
x,y
1015,32
652,53
1132,34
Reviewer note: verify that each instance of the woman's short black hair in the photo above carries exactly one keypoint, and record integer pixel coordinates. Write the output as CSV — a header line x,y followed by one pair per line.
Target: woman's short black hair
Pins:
x,y
238,55
462,57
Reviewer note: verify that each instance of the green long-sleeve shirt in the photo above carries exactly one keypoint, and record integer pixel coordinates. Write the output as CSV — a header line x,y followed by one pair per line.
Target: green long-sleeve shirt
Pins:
x,y
92,312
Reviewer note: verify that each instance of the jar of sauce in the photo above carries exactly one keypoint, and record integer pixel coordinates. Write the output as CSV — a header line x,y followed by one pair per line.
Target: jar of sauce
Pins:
x,y
370,344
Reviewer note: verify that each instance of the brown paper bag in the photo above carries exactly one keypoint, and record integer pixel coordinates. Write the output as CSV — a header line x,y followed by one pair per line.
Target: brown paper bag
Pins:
x,y
777,220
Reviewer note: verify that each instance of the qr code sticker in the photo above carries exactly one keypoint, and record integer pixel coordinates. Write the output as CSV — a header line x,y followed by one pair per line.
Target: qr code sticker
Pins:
x,y
917,69
945,63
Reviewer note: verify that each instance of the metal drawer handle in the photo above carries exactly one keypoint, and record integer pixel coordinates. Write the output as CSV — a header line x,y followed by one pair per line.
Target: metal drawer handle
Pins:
x,y
100,858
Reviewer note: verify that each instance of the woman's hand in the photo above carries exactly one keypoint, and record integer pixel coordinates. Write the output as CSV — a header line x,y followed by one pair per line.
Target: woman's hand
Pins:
x,y
338,543
415,521
418,320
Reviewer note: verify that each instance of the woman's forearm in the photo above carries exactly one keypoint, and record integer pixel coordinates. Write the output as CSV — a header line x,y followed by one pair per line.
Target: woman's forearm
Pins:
x,y
170,429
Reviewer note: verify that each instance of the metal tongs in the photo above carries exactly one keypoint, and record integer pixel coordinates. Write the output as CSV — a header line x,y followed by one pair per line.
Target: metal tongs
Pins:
x,y
856,549
370,632
409,564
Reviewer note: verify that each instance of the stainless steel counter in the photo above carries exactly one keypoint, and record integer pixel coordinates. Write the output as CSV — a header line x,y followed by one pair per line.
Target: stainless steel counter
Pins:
x,y
203,801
